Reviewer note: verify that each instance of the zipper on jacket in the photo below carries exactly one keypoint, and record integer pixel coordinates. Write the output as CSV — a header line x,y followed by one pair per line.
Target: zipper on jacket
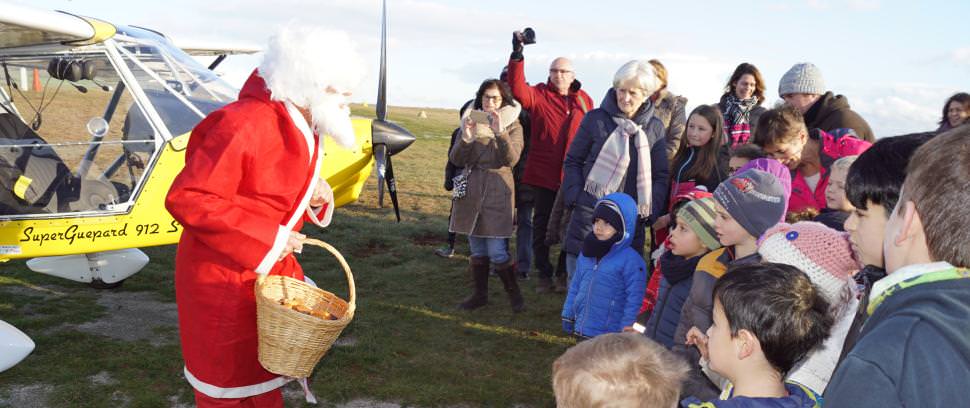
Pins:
x,y
589,290
686,163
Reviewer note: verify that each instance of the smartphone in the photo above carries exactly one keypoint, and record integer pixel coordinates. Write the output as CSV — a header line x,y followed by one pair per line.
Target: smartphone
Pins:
x,y
639,327
480,116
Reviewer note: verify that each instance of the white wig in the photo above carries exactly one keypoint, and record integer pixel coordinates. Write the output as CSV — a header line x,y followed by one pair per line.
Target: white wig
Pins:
x,y
640,71
301,63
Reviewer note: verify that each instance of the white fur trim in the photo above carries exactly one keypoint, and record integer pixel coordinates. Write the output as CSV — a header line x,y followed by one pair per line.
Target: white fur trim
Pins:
x,y
300,122
322,220
282,235
234,392
284,230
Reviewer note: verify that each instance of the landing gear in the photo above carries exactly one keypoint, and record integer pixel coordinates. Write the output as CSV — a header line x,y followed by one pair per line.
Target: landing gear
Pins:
x,y
101,270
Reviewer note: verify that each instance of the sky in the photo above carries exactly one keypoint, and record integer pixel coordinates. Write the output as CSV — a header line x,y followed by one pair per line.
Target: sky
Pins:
x,y
896,61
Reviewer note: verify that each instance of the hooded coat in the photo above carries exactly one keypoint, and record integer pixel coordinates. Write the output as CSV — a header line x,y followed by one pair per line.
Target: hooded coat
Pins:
x,y
487,209
831,112
592,134
605,295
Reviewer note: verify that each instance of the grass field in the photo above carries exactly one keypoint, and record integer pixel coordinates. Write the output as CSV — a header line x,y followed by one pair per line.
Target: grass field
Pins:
x,y
407,345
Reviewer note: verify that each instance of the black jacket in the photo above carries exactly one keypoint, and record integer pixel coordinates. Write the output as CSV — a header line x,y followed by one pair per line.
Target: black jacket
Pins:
x,y
832,112
451,169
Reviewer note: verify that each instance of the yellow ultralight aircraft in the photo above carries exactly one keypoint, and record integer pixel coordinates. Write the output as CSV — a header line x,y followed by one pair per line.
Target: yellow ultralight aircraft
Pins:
x,y
94,121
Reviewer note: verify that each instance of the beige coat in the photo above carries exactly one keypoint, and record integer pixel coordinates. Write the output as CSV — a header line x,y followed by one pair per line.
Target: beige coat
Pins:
x,y
669,108
487,209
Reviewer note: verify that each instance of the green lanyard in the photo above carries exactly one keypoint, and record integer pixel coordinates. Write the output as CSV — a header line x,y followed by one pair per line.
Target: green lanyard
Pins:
x,y
938,276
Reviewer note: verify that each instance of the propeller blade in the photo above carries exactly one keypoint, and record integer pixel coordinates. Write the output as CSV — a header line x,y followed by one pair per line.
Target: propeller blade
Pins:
x,y
381,159
382,81
392,188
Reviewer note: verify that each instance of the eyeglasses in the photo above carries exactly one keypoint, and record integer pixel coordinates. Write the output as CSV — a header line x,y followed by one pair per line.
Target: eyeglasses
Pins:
x,y
559,71
496,98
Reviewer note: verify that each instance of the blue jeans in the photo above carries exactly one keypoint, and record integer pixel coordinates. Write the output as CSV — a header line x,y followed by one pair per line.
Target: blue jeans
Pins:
x,y
523,238
496,249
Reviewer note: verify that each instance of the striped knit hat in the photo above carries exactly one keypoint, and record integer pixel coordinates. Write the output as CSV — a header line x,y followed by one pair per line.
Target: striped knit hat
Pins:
x,y
699,216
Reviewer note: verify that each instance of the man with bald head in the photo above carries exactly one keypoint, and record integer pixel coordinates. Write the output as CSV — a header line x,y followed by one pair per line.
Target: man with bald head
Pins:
x,y
556,108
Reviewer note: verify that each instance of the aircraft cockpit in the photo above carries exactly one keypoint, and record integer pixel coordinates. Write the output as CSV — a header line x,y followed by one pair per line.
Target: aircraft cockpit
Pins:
x,y
81,129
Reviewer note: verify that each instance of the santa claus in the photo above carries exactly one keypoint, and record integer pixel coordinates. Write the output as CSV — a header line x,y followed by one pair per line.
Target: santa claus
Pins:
x,y
251,177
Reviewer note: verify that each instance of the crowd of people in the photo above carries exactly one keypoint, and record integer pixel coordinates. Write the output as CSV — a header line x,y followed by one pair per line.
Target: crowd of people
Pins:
x,y
735,256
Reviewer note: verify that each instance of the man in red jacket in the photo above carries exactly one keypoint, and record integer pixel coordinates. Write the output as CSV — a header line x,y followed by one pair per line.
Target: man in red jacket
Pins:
x,y
556,108
251,177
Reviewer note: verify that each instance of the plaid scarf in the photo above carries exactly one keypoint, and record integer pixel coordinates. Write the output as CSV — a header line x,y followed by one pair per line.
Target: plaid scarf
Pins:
x,y
739,109
613,160
736,123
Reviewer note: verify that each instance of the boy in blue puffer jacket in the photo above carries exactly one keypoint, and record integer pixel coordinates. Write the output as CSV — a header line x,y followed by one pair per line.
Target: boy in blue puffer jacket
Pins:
x,y
607,289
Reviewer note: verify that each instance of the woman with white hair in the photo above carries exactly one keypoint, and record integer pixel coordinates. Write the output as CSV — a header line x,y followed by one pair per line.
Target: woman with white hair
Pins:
x,y
619,147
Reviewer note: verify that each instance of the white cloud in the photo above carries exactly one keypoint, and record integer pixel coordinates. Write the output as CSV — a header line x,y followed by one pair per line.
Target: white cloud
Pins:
x,y
894,109
960,56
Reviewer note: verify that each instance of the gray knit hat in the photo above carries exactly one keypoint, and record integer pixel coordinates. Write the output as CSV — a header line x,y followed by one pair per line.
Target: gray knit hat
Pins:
x,y
803,78
754,198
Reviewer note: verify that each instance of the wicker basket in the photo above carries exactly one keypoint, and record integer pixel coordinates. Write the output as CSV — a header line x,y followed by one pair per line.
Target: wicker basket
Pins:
x,y
292,343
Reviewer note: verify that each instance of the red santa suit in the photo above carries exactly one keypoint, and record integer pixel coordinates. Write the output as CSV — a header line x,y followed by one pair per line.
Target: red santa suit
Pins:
x,y
250,170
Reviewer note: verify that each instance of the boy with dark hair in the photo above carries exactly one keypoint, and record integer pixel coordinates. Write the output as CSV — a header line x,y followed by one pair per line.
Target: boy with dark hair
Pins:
x,y
872,187
766,317
914,349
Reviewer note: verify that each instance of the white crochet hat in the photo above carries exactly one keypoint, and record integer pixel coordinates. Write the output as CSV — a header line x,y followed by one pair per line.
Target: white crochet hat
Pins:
x,y
822,253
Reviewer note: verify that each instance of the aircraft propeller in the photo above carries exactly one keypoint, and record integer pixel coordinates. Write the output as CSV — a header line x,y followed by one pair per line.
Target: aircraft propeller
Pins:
x,y
387,137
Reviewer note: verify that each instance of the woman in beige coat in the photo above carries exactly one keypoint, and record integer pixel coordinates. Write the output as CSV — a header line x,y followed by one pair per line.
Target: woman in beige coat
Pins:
x,y
491,141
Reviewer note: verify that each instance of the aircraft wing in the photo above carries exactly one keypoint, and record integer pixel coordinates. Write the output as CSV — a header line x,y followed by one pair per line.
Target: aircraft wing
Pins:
x,y
24,26
197,48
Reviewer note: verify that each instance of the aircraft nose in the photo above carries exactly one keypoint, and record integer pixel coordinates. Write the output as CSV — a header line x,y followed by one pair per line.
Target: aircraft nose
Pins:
x,y
395,137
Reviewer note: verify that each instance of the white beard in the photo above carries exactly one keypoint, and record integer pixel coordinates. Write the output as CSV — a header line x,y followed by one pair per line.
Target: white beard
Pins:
x,y
332,120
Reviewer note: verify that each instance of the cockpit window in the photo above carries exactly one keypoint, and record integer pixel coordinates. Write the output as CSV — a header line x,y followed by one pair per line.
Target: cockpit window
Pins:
x,y
49,161
56,155
180,90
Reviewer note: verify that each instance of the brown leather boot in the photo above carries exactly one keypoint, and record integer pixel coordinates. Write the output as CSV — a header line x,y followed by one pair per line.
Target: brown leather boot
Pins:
x,y
479,273
505,273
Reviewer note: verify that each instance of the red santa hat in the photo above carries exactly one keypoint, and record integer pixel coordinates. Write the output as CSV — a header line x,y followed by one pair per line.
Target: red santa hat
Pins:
x,y
312,68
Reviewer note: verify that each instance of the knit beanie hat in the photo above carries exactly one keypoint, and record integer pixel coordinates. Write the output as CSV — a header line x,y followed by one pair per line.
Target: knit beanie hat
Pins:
x,y
699,216
609,212
804,78
822,253
755,199
775,168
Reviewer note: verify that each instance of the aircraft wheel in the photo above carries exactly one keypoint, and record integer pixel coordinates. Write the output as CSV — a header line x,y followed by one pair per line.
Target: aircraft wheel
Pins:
x,y
100,284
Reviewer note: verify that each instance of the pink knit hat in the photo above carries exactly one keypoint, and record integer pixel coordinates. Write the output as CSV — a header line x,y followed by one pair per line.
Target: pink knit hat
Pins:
x,y
824,254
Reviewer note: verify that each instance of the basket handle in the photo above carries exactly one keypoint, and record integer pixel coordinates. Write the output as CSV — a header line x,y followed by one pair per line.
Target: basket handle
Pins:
x,y
352,303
